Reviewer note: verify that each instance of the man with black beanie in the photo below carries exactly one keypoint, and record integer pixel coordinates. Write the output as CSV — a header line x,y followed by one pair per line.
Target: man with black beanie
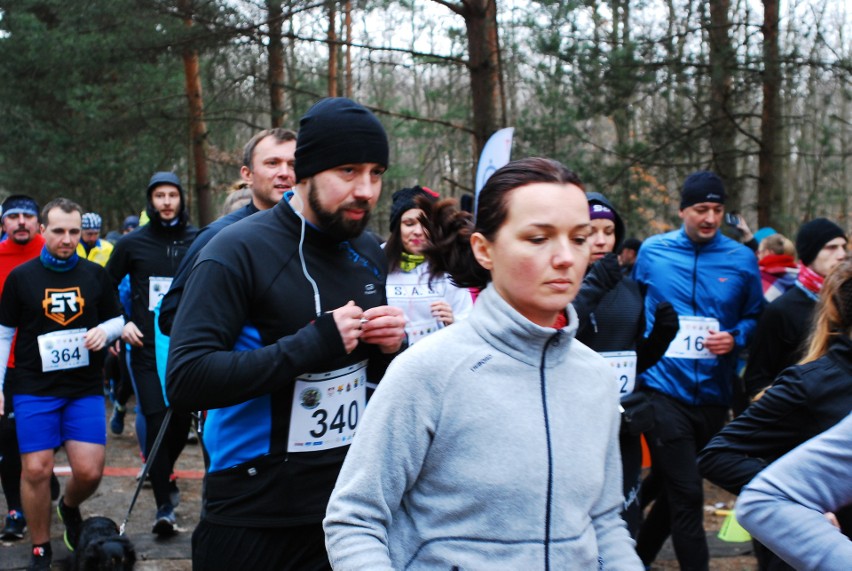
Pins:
x,y
151,256
283,322
782,332
713,283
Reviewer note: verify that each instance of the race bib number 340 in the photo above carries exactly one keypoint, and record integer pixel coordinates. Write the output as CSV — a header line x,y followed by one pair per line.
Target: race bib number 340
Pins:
x,y
62,350
326,408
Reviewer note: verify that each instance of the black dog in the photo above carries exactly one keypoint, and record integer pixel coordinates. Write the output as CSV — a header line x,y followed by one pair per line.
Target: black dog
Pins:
x,y
101,548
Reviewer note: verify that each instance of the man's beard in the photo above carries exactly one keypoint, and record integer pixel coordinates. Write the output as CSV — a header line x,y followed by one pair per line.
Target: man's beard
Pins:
x,y
334,223
18,241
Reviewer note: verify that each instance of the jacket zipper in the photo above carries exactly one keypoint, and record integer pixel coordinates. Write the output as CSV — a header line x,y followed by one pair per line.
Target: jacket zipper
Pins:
x,y
696,391
548,508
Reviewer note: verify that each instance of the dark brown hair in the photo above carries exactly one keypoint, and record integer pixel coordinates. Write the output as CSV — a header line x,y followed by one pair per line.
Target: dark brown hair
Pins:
x,y
65,205
450,229
281,135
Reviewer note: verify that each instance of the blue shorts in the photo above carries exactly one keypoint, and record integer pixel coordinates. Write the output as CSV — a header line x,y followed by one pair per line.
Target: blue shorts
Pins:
x,y
44,423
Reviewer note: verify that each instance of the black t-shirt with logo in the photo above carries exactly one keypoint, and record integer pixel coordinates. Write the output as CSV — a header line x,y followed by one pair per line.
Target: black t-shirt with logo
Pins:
x,y
40,301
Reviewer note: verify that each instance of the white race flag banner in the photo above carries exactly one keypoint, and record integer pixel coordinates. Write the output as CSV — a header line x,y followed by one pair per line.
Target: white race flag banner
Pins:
x,y
495,154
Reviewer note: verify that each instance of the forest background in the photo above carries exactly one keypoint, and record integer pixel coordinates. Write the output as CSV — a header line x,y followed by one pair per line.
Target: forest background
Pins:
x,y
95,95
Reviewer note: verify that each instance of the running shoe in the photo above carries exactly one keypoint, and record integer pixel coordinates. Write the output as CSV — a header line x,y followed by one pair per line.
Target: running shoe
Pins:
x,y
73,522
16,526
116,421
165,522
40,559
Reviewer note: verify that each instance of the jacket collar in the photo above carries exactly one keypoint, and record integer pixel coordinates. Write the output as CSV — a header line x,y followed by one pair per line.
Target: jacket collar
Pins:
x,y
509,332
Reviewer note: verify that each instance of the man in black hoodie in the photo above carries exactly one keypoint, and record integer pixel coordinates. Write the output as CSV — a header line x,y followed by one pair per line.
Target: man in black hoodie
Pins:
x,y
151,256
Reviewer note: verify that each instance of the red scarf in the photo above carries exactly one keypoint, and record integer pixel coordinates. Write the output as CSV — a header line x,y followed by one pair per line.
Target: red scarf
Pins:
x,y
776,263
809,279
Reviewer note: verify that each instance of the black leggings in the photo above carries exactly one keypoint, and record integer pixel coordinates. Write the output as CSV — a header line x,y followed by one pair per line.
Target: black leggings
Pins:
x,y
681,431
149,395
10,465
162,466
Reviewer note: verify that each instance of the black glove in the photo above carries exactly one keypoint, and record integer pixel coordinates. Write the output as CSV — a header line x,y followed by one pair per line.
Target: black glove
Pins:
x,y
665,323
608,271
652,348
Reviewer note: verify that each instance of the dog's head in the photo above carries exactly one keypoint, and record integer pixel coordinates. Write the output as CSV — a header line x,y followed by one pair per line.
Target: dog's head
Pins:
x,y
101,548
112,554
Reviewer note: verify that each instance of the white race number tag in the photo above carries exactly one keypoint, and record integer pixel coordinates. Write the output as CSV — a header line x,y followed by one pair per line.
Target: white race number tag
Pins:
x,y
623,365
693,332
326,408
62,350
157,288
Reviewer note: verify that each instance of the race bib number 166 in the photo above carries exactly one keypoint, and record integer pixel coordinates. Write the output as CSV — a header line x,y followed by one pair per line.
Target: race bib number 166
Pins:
x,y
693,332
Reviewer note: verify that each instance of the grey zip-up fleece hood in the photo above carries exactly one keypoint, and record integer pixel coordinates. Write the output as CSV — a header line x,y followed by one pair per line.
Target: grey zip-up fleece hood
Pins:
x,y
491,444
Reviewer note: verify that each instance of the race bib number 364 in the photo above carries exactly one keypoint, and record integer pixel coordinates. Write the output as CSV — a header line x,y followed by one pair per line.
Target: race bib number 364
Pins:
x,y
62,350
326,408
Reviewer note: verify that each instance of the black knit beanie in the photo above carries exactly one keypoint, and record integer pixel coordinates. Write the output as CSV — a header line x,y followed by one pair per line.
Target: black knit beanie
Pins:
x,y
337,131
702,186
813,236
404,200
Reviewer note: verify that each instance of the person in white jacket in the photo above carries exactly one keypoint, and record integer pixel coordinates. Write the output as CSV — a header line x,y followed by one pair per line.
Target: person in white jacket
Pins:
x,y
493,444
789,506
429,302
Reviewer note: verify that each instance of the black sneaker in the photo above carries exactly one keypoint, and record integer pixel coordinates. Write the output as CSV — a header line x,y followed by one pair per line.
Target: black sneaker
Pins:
x,y
15,526
40,560
165,522
73,521
116,422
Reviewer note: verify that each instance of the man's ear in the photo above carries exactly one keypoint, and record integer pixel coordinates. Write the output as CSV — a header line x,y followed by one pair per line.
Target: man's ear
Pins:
x,y
245,174
481,250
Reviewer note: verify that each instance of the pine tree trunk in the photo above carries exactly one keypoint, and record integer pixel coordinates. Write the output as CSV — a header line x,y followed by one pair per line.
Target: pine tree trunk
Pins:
x,y
275,59
769,198
722,126
197,126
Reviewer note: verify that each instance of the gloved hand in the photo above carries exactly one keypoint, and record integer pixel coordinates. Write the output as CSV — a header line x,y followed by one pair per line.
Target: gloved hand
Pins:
x,y
665,322
608,270
653,347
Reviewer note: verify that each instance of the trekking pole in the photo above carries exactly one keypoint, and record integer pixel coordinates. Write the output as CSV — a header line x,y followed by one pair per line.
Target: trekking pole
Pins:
x,y
148,461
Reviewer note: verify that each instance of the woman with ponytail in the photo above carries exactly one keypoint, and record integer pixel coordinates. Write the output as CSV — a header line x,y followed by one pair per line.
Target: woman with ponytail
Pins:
x,y
493,442
429,302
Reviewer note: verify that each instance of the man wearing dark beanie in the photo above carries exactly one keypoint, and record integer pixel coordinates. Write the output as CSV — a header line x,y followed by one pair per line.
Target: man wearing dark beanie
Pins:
x,y
283,322
713,283
783,328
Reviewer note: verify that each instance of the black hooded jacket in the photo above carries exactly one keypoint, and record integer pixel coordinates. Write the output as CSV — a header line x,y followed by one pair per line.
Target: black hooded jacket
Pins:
x,y
611,308
153,250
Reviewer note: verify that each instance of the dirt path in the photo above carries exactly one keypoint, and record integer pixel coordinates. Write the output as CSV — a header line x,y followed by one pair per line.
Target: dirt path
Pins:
x,y
173,554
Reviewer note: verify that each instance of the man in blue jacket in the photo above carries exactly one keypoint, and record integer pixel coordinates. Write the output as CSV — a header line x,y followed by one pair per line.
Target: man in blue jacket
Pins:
x,y
713,283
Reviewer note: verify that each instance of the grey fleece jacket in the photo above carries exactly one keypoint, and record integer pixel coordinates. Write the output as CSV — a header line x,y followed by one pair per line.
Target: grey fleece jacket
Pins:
x,y
491,444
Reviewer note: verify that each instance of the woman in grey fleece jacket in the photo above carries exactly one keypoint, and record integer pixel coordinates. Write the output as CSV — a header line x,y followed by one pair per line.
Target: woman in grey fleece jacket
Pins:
x,y
493,443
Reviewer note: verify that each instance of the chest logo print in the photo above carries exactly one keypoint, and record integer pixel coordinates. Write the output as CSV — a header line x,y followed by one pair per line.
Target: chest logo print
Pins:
x,y
63,305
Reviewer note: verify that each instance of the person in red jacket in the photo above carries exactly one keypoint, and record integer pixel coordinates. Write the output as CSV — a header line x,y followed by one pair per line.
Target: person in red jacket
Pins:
x,y
21,243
